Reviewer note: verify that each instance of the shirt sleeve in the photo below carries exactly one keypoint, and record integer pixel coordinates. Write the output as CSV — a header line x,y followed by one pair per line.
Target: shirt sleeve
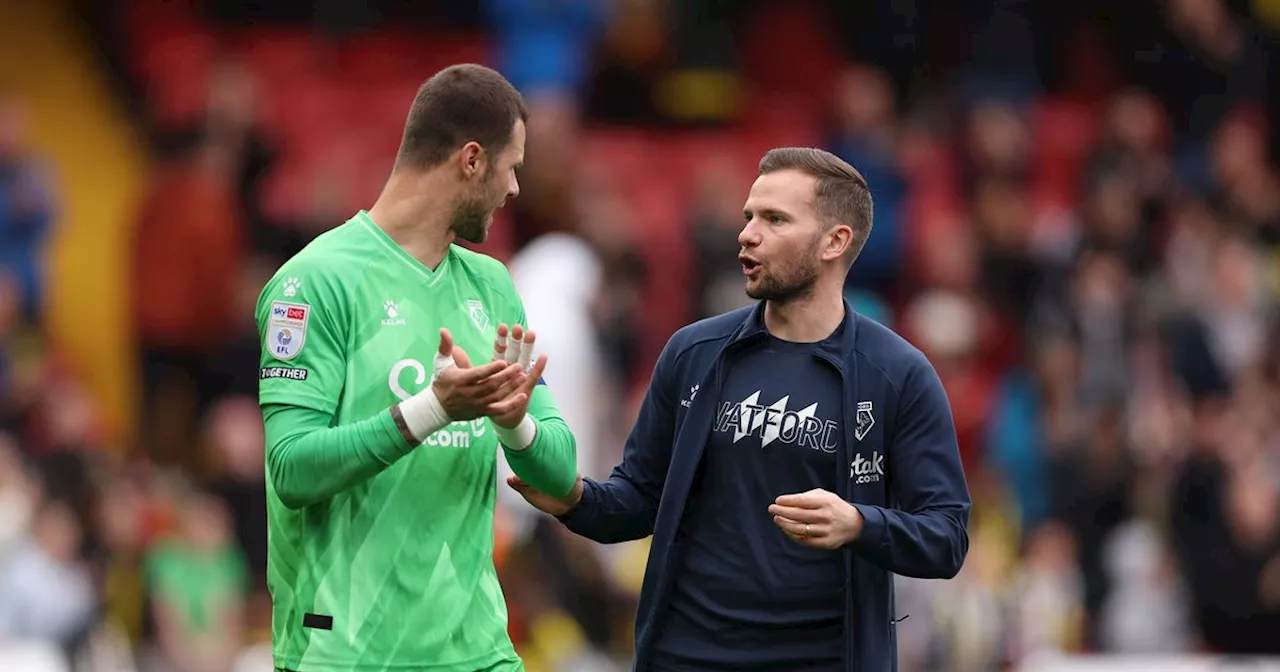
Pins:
x,y
302,323
550,465
309,460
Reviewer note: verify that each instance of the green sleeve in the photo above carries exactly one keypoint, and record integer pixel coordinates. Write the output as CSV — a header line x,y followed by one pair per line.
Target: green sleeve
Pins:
x,y
550,465
309,461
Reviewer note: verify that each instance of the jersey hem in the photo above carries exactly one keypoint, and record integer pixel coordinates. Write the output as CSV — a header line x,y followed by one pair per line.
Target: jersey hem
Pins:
x,y
479,663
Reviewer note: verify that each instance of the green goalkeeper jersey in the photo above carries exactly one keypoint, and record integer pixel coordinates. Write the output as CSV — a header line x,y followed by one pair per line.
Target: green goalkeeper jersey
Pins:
x,y
381,553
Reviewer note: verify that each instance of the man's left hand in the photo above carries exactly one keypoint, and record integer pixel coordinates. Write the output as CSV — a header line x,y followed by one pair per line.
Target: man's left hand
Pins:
x,y
817,518
517,349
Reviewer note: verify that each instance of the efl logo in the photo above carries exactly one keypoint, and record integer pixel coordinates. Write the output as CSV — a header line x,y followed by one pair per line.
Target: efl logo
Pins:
x,y
286,329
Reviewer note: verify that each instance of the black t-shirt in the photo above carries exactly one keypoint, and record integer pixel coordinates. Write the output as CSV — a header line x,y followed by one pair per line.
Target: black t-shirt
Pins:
x,y
746,597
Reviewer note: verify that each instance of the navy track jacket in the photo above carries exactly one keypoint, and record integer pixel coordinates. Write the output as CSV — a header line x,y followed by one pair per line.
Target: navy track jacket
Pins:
x,y
916,517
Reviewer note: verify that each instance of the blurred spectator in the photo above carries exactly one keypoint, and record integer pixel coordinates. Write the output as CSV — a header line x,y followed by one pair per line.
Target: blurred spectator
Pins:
x,y
558,275
1246,187
233,430
616,308
1223,64
946,326
995,143
1001,218
231,122
1092,490
1224,530
1136,134
198,581
1049,595
865,135
1146,612
972,609
18,496
715,219
122,529
26,207
1036,412
544,46
45,592
629,62
188,243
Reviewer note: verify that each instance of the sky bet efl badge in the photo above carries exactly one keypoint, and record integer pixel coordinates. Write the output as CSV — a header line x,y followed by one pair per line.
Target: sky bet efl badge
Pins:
x,y
287,329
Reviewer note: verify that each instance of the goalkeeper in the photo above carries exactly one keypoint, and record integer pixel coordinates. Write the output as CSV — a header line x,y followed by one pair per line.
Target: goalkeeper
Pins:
x,y
382,436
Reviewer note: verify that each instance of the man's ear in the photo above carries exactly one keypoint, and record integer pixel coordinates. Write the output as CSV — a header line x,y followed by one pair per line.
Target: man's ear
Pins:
x,y
839,238
471,160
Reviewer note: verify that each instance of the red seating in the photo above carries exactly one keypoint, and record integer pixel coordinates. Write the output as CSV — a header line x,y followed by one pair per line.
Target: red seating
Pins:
x,y
278,54
787,47
396,57
174,68
1063,133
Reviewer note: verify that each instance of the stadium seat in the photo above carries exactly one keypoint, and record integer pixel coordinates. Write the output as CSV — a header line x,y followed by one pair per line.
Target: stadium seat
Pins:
x,y
389,56
173,67
660,215
277,54
1063,133
788,48
304,112
622,154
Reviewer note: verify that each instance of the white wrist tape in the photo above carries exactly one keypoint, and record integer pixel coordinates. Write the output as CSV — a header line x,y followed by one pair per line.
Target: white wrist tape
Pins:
x,y
520,437
423,414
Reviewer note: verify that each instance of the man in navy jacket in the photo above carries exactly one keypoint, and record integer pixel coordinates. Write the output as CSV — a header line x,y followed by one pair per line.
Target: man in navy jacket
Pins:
x,y
788,458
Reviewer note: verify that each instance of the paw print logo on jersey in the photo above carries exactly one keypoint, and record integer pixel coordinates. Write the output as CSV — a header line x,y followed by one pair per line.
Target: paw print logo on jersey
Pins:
x,y
291,287
393,314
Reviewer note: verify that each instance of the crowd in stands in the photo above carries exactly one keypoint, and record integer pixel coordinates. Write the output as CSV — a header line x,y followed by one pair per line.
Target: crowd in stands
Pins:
x,y
1086,247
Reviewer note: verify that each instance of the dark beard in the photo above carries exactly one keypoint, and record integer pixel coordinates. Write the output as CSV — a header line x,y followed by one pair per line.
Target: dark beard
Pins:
x,y
470,220
795,282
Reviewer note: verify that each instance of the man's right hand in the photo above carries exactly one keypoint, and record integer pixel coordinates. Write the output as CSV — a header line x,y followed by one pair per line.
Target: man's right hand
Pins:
x,y
544,502
466,392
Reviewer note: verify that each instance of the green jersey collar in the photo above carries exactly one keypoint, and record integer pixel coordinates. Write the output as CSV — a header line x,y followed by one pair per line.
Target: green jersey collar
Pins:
x,y
398,252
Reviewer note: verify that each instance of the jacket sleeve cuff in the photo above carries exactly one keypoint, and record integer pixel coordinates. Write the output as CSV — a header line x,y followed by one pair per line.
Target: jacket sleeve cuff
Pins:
x,y
580,515
874,528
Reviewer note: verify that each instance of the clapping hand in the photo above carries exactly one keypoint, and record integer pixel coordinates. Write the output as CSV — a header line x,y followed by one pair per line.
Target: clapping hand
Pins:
x,y
517,349
467,392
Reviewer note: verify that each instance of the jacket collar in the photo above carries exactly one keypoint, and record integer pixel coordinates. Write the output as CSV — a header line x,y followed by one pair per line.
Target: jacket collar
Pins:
x,y
837,351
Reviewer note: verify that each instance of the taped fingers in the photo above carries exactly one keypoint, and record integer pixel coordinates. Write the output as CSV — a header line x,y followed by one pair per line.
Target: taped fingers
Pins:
x,y
526,351
441,363
516,349
511,353
500,344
